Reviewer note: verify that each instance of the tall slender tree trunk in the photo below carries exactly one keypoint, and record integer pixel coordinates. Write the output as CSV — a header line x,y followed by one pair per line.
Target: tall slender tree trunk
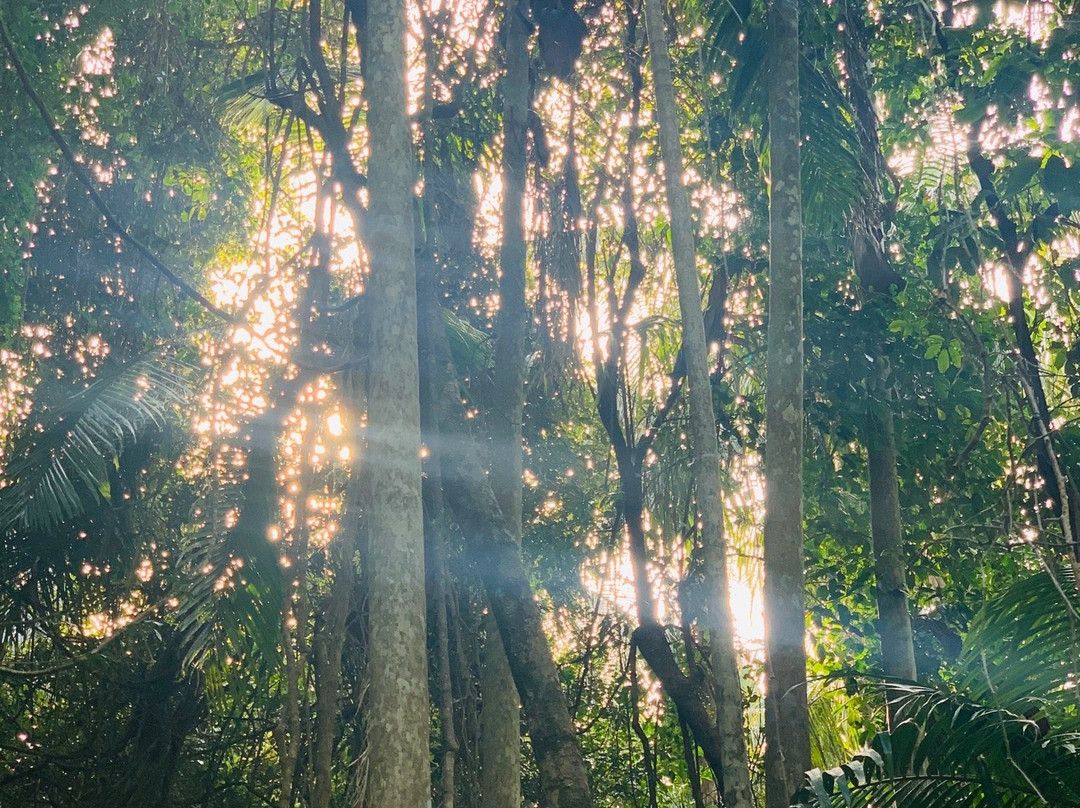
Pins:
x,y
327,646
440,596
294,725
631,451
1058,486
564,782
729,713
438,574
787,723
878,278
331,632
398,731
500,720
890,567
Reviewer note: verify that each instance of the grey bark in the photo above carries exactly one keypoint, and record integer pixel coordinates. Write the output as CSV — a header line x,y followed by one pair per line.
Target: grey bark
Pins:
x,y
875,273
398,732
500,720
787,723
729,708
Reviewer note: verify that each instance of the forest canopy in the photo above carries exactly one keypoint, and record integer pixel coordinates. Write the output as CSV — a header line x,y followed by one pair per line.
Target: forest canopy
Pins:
x,y
557,403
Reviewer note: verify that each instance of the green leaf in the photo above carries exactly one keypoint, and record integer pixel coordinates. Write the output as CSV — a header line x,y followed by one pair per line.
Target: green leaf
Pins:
x,y
1004,735
934,344
971,112
1063,183
1020,175
1055,178
943,361
956,353
817,783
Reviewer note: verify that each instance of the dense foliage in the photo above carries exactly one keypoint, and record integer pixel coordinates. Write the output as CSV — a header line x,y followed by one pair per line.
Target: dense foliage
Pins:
x,y
189,275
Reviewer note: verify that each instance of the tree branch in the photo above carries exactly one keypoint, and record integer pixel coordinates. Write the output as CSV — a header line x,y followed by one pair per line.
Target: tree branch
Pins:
x,y
111,221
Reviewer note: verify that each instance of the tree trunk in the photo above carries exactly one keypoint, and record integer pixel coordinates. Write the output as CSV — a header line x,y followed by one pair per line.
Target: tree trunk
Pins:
x,y
729,709
438,574
168,708
398,732
563,779
876,274
630,451
328,643
787,723
890,567
332,630
1059,487
294,725
500,720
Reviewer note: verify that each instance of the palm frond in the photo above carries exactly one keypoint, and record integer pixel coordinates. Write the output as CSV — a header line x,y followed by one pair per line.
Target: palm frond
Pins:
x,y
1006,733
249,100
831,177
235,596
989,758
58,466
471,348
1023,649
231,601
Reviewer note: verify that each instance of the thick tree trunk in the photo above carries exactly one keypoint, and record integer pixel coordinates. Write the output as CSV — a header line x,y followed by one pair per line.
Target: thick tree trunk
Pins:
x,y
787,723
875,273
500,720
563,779
398,732
729,709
